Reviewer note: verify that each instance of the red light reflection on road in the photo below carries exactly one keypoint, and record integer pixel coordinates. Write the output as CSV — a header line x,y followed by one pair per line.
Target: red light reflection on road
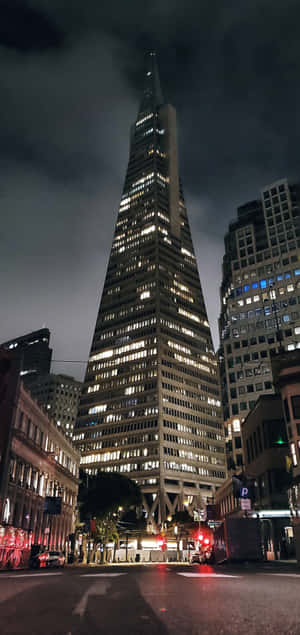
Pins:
x,y
205,568
162,568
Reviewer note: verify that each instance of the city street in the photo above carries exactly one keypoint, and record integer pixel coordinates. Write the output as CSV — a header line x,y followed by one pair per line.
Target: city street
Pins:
x,y
146,599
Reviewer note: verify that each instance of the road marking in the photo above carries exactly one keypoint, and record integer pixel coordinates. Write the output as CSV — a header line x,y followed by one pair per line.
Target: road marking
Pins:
x,y
101,575
286,575
98,588
208,575
32,575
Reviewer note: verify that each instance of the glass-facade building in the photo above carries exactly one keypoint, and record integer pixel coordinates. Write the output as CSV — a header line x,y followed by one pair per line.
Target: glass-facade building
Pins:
x,y
260,302
150,407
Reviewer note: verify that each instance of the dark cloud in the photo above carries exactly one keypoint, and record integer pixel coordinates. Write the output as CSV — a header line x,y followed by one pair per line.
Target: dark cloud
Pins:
x,y
70,83
26,28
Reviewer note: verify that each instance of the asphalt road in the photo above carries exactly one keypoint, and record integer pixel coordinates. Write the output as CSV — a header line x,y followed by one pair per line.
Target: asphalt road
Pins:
x,y
151,599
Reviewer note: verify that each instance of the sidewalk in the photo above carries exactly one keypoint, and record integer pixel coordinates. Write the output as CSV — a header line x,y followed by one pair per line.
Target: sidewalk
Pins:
x,y
126,564
284,566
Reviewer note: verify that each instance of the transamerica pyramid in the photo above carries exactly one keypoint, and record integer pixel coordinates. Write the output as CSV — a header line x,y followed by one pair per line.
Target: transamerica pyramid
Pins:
x,y
150,407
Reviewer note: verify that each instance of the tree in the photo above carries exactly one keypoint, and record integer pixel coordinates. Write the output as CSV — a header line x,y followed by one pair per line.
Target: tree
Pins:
x,y
182,517
101,499
106,493
105,531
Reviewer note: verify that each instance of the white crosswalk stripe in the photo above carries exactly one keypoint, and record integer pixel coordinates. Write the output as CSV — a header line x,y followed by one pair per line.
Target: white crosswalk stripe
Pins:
x,y
32,575
208,575
101,575
283,575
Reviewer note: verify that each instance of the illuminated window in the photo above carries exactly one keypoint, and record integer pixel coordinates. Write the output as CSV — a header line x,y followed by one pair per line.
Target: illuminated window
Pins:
x,y
189,315
144,295
96,409
94,388
148,230
147,117
236,425
293,453
186,252
178,347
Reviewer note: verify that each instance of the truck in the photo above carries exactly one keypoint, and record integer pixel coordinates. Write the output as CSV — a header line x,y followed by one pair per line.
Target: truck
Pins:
x,y
237,540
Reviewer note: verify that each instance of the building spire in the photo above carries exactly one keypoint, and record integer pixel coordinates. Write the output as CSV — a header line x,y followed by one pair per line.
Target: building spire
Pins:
x,y
152,94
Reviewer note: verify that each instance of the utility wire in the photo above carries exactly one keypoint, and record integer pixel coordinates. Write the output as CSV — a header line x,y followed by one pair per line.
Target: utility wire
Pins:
x,y
69,361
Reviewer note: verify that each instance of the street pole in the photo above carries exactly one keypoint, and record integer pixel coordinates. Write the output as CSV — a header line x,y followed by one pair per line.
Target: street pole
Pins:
x,y
49,534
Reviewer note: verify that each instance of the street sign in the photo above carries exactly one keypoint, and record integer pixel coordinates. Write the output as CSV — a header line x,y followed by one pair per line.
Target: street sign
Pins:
x,y
246,504
244,492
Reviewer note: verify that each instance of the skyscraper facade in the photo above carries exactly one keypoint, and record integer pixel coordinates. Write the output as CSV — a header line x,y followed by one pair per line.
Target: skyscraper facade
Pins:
x,y
260,298
150,406
59,396
33,352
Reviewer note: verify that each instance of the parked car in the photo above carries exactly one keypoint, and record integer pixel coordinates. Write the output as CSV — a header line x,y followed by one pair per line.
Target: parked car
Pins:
x,y
204,556
47,559
196,558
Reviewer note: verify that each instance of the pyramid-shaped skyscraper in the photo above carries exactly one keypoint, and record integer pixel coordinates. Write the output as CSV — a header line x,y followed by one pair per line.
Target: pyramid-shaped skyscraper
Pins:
x,y
150,407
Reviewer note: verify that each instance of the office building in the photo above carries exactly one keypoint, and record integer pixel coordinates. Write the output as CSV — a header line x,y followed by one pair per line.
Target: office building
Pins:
x,y
38,465
33,352
286,374
59,396
150,407
261,490
260,297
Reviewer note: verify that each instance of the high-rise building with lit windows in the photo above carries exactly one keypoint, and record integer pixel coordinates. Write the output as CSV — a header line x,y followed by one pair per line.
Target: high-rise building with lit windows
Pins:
x,y
59,396
150,407
33,352
260,302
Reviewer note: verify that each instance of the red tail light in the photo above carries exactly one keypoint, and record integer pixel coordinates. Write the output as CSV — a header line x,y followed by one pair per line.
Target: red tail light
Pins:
x,y
200,537
206,541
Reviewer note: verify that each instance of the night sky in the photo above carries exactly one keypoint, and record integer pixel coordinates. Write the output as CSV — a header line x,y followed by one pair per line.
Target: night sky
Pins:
x,y
71,79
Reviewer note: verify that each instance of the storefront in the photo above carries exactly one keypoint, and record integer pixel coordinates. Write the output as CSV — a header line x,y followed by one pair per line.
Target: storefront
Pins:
x,y
15,545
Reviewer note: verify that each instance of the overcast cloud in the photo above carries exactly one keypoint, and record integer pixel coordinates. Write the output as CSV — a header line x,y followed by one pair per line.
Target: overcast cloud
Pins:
x,y
71,78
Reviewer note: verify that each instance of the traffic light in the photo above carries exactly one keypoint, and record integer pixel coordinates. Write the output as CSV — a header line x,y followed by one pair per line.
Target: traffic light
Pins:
x,y
162,542
280,441
200,537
